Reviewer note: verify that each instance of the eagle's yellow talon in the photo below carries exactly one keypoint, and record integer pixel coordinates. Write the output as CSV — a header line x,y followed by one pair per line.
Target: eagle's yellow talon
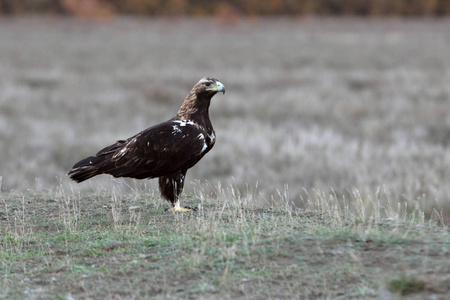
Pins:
x,y
179,209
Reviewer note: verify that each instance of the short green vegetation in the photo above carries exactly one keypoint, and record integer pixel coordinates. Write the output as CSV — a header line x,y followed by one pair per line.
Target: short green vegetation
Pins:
x,y
58,246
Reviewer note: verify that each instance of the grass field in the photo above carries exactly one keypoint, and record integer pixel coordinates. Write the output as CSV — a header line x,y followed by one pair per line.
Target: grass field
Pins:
x,y
71,246
329,177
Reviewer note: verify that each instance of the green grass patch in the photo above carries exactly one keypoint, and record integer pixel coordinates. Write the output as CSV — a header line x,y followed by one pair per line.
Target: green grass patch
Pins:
x,y
405,285
133,248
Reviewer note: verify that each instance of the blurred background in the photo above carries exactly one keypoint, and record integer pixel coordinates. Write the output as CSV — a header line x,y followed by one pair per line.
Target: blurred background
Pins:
x,y
102,8
339,96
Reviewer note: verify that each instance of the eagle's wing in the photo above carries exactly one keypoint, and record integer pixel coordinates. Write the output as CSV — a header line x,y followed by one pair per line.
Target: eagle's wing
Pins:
x,y
156,151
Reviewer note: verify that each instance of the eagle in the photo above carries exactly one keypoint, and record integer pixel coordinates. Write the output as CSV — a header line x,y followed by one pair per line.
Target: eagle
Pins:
x,y
166,150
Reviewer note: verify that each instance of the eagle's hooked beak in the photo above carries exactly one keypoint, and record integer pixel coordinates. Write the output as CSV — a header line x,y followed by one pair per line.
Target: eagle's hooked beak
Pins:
x,y
219,87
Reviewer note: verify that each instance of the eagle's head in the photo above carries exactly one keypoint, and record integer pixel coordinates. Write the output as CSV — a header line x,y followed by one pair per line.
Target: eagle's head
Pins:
x,y
208,86
198,99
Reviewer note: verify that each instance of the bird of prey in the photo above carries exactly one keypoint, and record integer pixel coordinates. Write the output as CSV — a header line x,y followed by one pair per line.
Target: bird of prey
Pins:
x,y
165,150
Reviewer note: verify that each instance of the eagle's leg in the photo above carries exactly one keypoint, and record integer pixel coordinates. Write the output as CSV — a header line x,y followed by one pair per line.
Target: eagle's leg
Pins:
x,y
171,187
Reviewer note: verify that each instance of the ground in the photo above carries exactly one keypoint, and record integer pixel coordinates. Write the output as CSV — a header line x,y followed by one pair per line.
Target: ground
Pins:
x,y
68,246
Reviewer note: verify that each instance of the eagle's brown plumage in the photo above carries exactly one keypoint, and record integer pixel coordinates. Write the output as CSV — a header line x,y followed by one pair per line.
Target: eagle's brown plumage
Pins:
x,y
166,150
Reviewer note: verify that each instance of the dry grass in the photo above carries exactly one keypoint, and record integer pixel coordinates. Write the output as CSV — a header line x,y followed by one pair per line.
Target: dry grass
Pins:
x,y
63,244
316,104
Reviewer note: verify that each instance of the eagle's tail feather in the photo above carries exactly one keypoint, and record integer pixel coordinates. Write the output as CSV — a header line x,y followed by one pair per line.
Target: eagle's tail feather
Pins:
x,y
85,169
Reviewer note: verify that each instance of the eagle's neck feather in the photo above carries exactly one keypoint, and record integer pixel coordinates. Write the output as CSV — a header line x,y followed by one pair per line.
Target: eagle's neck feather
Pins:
x,y
195,109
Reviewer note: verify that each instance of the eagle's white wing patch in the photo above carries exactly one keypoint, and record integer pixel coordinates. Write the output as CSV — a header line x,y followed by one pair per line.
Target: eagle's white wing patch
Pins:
x,y
212,137
202,138
176,129
184,122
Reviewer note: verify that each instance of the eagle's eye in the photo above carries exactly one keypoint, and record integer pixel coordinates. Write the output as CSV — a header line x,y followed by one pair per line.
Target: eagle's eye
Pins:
x,y
207,83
